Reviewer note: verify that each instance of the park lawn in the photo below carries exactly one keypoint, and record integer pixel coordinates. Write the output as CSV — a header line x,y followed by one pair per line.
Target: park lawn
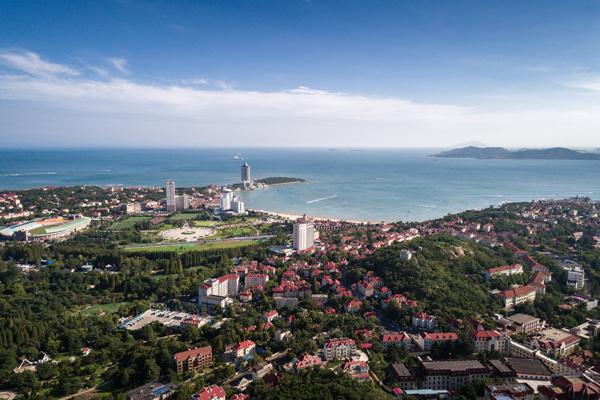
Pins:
x,y
128,222
185,247
238,231
108,308
184,216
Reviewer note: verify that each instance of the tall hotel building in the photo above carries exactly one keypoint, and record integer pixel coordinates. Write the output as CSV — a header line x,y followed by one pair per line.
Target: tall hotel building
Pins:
x,y
304,235
246,177
170,190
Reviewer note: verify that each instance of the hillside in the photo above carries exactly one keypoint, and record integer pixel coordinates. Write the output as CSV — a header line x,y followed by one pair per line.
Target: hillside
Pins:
x,y
488,153
444,276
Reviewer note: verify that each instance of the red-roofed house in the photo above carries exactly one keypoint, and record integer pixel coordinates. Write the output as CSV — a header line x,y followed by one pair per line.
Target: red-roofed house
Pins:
x,y
516,295
244,348
353,306
396,339
358,370
338,349
193,360
212,392
425,340
270,315
489,341
425,321
506,270
308,361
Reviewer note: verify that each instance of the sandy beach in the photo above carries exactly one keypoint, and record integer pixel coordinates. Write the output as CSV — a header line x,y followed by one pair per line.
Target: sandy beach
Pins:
x,y
294,217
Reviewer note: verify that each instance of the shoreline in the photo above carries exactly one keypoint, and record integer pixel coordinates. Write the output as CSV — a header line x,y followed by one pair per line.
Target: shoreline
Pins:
x,y
294,217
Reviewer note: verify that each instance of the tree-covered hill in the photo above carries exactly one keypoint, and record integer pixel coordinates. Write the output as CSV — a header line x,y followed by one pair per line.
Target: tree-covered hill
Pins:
x,y
318,384
444,276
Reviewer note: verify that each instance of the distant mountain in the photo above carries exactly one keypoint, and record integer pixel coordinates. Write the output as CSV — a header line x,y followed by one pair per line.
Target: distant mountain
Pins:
x,y
489,153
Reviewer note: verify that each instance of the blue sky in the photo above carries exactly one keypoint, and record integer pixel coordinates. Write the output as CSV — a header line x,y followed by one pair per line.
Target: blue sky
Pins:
x,y
299,73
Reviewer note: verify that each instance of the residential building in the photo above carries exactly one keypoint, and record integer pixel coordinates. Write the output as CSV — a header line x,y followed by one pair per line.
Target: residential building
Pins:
x,y
485,341
212,392
511,391
226,198
252,280
242,349
182,202
170,193
425,340
358,370
400,339
132,208
424,321
403,377
570,388
554,342
451,375
525,323
308,361
304,235
218,292
504,270
193,360
237,205
529,368
516,295
224,286
576,277
353,306
335,349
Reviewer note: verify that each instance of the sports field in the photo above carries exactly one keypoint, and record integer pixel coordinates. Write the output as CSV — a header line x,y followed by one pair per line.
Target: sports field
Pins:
x,y
185,247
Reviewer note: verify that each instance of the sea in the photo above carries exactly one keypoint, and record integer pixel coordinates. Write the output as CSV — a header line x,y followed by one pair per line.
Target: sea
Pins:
x,y
355,184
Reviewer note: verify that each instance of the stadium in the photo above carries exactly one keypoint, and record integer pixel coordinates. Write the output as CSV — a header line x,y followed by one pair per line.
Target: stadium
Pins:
x,y
45,229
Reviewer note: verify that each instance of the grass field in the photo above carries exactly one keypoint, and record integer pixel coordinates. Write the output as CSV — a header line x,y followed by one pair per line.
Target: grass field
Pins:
x,y
236,232
109,308
182,248
184,216
128,222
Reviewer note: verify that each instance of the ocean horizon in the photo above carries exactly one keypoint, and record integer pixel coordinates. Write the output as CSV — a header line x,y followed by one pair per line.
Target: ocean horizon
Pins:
x,y
370,184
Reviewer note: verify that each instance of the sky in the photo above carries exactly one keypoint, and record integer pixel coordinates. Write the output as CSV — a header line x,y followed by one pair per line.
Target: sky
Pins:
x,y
305,73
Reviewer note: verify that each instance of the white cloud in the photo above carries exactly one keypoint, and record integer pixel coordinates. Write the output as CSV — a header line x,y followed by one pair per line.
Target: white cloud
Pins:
x,y
591,84
84,111
120,64
191,81
33,64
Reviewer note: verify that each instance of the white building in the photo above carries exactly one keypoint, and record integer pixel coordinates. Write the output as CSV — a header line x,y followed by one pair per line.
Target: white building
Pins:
x,y
338,349
254,280
226,198
489,341
304,235
424,321
224,286
237,205
170,191
182,202
576,277
132,208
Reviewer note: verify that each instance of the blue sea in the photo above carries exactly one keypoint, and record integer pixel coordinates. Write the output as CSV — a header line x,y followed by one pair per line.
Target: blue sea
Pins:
x,y
367,184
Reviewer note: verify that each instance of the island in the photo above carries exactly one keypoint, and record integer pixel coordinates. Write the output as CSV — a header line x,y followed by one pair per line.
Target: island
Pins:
x,y
500,153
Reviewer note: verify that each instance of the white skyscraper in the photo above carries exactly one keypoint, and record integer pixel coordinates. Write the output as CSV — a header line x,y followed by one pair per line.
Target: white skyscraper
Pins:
x,y
237,205
226,198
304,235
182,202
170,190
246,177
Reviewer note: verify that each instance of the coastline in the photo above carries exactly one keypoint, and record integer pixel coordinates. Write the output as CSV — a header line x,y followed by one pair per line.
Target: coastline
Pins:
x,y
294,217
